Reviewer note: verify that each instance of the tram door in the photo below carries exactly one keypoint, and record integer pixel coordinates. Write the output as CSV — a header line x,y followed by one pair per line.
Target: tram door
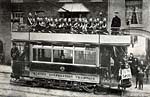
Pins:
x,y
110,57
1,52
105,64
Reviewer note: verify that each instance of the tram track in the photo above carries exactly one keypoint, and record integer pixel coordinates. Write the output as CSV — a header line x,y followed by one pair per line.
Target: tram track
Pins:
x,y
13,90
23,91
41,92
11,87
8,87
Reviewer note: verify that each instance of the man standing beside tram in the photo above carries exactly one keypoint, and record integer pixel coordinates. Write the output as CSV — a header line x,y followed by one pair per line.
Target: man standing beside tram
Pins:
x,y
14,52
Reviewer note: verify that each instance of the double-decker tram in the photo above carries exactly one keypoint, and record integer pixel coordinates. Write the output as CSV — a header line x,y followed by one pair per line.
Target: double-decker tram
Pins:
x,y
70,61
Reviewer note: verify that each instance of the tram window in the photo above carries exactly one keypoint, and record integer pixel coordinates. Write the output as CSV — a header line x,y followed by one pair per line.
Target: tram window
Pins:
x,y
42,55
63,56
85,57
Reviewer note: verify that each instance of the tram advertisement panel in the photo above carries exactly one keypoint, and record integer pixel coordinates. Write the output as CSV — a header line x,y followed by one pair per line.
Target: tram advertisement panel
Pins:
x,y
63,76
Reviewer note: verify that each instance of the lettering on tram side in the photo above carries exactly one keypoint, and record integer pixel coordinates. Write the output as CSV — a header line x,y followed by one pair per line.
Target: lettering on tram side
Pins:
x,y
60,75
69,77
85,77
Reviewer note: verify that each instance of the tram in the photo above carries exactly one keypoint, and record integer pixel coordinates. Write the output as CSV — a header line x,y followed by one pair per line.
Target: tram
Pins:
x,y
74,61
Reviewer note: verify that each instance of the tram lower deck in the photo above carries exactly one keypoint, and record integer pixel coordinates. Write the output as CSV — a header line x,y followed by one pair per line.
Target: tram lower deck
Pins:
x,y
79,65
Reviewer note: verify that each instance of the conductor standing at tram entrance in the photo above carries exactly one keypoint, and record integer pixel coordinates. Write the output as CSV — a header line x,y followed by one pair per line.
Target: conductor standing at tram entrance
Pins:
x,y
14,52
116,24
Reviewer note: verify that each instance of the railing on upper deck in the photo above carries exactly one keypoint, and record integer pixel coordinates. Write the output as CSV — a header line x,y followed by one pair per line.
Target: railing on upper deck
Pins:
x,y
72,30
74,38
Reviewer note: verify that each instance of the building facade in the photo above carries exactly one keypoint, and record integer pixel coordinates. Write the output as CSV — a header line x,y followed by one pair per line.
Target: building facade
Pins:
x,y
5,31
134,15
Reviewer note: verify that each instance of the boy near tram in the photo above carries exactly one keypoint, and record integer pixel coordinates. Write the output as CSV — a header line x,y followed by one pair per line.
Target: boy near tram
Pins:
x,y
137,69
141,78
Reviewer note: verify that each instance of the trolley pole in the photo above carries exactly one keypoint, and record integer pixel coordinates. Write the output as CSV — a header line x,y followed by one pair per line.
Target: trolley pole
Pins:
x,y
29,65
99,58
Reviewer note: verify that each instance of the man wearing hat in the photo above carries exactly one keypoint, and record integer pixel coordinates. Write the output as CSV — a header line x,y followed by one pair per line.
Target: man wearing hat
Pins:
x,y
14,52
116,24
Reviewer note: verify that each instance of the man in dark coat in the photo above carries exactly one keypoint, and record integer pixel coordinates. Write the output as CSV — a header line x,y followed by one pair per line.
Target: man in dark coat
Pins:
x,y
14,52
147,72
116,24
141,78
131,62
137,70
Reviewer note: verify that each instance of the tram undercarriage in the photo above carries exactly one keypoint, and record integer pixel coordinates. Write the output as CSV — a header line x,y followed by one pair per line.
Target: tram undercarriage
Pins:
x,y
57,84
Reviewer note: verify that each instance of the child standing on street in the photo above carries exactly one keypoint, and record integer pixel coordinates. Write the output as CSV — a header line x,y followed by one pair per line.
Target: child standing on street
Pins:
x,y
141,78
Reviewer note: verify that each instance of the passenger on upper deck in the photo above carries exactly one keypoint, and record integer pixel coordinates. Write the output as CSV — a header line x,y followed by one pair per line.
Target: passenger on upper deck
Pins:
x,y
116,24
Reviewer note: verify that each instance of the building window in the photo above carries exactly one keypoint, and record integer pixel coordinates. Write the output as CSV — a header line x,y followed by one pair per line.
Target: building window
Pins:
x,y
18,16
133,12
17,21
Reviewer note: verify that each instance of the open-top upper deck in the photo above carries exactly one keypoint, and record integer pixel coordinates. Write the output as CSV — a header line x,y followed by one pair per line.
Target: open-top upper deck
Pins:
x,y
74,38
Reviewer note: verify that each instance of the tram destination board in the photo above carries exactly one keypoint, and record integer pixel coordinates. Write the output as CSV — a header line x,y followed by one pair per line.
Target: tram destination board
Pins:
x,y
63,76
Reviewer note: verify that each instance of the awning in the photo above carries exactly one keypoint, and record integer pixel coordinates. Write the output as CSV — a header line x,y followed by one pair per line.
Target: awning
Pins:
x,y
74,7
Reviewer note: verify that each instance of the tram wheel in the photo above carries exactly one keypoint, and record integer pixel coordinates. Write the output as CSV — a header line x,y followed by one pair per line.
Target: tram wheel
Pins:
x,y
89,89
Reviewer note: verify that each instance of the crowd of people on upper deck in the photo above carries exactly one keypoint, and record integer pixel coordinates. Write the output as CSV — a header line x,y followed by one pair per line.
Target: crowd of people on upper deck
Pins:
x,y
68,25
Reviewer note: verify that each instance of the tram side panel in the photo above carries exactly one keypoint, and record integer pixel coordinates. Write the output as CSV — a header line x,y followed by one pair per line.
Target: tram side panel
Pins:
x,y
42,66
67,64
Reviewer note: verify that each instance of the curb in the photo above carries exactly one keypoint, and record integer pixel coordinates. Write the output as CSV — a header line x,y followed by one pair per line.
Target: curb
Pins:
x,y
5,72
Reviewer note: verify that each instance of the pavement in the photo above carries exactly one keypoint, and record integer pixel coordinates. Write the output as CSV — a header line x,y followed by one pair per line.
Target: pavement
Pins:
x,y
5,69
131,92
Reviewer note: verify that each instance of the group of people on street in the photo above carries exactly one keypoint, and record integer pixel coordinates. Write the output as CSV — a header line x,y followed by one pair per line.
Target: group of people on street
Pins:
x,y
139,69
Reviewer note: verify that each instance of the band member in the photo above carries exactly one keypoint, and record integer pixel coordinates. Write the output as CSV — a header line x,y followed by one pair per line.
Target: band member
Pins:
x,y
30,19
